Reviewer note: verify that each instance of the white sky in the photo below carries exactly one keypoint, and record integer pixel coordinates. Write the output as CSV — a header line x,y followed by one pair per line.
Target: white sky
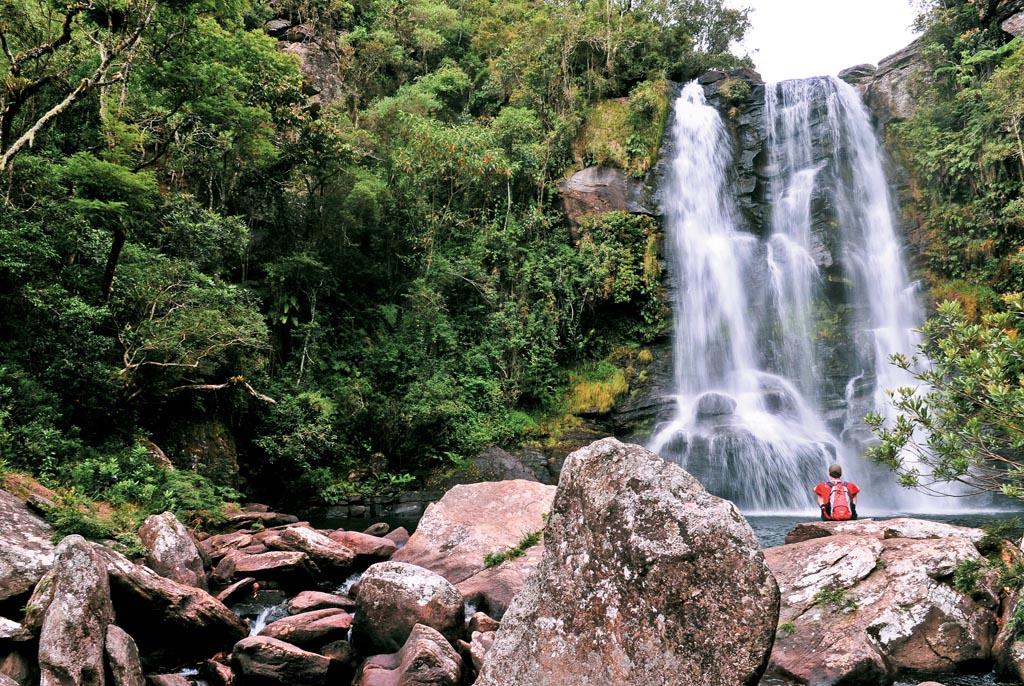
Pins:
x,y
798,38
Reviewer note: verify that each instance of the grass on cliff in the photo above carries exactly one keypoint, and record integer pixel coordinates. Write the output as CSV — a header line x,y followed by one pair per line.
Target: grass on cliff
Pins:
x,y
625,133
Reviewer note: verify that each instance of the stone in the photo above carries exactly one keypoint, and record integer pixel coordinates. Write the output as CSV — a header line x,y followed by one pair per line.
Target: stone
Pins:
x,y
239,520
396,596
170,550
400,536
596,190
13,631
858,74
472,520
891,94
243,588
72,638
217,546
495,464
482,622
167,680
123,658
379,529
286,568
172,623
330,557
904,527
426,658
270,662
884,606
307,601
715,405
365,547
277,27
20,667
26,552
1014,25
645,577
479,645
216,673
311,630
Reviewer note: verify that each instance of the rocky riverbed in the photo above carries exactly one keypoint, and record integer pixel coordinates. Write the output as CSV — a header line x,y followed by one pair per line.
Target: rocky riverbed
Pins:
x,y
628,572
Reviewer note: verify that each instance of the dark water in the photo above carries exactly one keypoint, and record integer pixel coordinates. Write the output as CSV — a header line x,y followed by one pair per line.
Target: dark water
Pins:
x,y
771,530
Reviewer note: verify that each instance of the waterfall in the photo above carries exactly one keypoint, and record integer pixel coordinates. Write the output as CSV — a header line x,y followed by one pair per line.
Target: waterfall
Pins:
x,y
783,330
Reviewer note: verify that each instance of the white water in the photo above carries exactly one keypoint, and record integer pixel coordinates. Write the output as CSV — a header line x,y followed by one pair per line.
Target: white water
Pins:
x,y
748,365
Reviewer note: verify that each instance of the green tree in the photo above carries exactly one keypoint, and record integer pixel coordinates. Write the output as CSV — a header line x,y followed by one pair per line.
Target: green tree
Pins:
x,y
964,420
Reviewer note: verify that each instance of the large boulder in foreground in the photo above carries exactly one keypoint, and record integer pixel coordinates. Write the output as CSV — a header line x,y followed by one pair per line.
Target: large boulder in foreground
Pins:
x,y
26,552
270,662
882,604
646,579
471,521
73,637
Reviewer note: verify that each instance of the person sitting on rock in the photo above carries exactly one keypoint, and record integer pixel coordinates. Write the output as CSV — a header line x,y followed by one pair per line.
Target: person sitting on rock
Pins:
x,y
837,498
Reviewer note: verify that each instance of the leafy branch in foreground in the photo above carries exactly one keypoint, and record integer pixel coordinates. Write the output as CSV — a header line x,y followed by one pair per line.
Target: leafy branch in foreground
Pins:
x,y
965,420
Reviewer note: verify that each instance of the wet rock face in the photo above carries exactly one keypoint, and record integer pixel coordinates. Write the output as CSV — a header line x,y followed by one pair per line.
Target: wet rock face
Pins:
x,y
635,542
882,603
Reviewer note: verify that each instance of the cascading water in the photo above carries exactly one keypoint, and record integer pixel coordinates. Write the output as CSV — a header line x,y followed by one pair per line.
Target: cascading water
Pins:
x,y
767,397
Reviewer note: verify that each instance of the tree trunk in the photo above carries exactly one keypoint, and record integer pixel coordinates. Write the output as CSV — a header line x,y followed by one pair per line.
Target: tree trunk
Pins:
x,y
107,286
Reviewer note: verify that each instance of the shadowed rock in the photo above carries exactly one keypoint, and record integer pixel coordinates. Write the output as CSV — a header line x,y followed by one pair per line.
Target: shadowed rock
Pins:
x,y
426,658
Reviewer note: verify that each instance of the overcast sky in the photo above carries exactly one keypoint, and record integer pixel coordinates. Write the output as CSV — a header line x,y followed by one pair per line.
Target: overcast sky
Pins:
x,y
797,38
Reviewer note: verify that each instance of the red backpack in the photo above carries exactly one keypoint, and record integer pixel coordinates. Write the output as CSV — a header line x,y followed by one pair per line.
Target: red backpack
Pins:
x,y
839,500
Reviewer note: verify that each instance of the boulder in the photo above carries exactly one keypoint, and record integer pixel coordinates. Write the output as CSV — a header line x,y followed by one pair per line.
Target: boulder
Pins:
x,y
399,536
479,645
394,597
377,529
168,680
1014,25
311,630
426,658
646,579
26,552
715,405
903,527
73,634
170,550
244,588
482,622
495,464
216,673
883,606
307,601
13,631
331,557
270,662
172,623
123,658
216,547
259,518
365,547
286,568
19,666
471,521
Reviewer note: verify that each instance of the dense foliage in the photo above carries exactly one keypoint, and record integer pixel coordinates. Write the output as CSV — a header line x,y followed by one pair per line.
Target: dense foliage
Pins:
x,y
963,148
360,274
